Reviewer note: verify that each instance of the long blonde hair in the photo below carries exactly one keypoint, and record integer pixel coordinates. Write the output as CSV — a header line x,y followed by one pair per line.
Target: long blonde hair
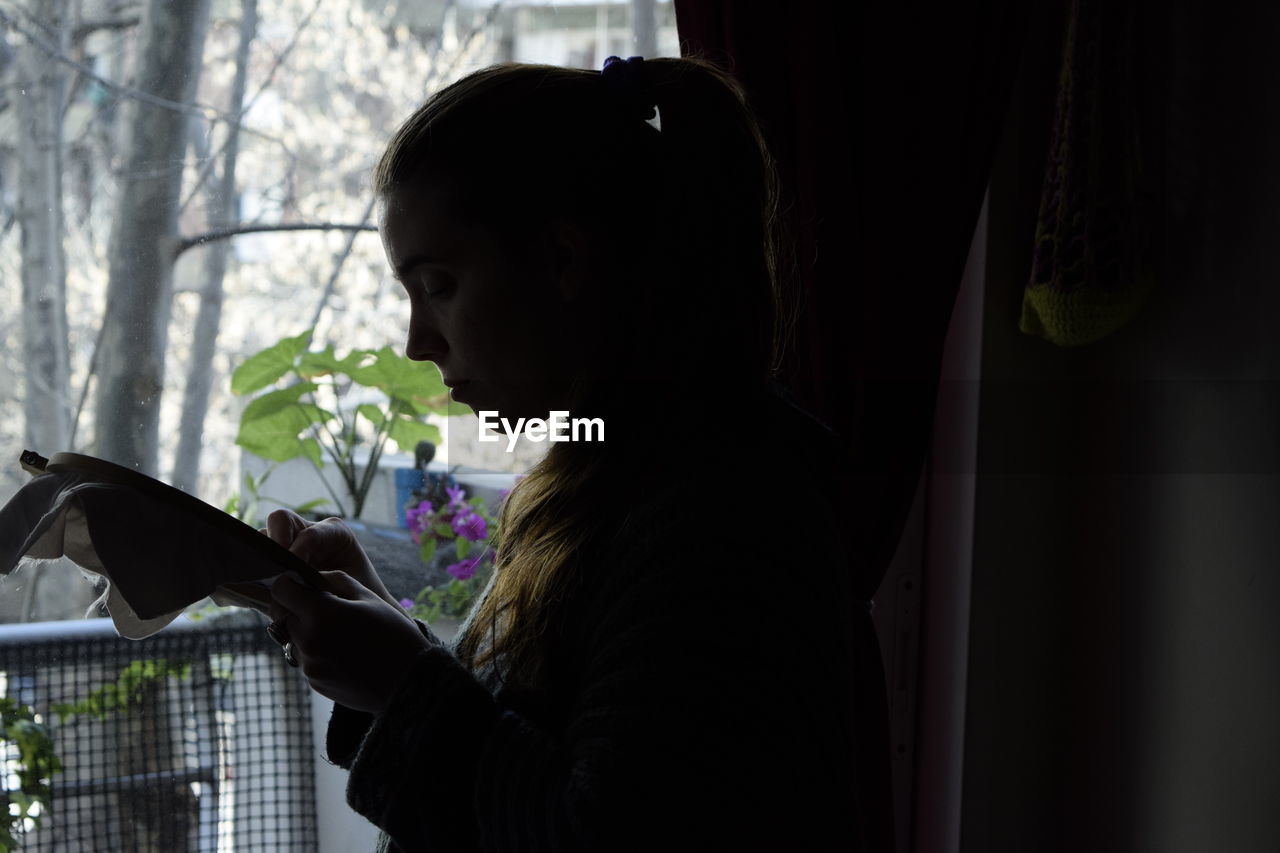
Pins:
x,y
685,215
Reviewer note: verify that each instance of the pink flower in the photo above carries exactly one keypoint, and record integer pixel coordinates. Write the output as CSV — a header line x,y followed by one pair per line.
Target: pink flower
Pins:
x,y
463,569
471,526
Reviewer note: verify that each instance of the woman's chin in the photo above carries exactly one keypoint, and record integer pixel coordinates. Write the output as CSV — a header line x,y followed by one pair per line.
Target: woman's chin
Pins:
x,y
513,404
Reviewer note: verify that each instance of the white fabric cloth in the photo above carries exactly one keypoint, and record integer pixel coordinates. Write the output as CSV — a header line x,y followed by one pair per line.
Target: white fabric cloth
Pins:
x,y
157,559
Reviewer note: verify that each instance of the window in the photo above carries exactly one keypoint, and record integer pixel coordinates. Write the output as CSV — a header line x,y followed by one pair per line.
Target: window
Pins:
x,y
168,210
324,85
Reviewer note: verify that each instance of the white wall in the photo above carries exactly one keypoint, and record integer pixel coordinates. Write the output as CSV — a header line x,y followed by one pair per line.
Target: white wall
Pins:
x,y
296,482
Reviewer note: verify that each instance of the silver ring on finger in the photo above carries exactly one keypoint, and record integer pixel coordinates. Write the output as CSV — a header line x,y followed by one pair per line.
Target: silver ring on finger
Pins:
x,y
278,633
288,655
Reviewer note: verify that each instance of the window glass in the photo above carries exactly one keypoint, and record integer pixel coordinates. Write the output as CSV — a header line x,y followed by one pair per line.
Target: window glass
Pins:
x,y
323,85
170,208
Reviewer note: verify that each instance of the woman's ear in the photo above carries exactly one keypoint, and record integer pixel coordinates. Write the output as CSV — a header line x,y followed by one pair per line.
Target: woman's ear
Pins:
x,y
571,258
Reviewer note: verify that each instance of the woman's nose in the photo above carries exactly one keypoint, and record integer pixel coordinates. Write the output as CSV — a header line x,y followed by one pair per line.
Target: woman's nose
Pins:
x,y
425,342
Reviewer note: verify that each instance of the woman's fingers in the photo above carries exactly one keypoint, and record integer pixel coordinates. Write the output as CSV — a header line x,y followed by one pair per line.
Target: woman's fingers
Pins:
x,y
278,632
277,611
293,596
327,544
351,645
309,603
330,544
283,526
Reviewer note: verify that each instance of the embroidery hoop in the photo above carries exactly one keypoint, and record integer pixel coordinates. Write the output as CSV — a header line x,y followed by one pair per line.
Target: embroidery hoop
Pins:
x,y
229,525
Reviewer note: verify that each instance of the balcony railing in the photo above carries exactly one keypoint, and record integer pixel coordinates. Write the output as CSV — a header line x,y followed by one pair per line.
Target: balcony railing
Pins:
x,y
198,738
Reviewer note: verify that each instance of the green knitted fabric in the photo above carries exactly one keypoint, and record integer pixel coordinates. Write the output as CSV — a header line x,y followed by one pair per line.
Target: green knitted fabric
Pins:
x,y
1091,271
1082,316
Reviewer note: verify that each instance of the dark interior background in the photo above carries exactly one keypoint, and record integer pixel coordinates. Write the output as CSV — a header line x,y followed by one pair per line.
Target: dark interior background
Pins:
x,y
1122,684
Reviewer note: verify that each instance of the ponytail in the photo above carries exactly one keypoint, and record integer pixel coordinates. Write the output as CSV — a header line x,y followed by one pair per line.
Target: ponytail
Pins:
x,y
725,210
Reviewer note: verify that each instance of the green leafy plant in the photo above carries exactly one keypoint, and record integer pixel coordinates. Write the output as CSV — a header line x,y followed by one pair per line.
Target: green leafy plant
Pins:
x,y
34,766
126,691
244,504
37,760
304,409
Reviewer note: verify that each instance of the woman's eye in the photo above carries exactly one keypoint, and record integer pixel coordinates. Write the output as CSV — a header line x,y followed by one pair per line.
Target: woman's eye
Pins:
x,y
436,286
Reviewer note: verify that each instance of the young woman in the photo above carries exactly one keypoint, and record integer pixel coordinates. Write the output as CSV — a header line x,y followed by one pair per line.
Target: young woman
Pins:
x,y
667,656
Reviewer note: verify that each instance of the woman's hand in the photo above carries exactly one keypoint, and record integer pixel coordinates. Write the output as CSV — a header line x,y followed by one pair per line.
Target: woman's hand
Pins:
x,y
353,646
352,639
327,545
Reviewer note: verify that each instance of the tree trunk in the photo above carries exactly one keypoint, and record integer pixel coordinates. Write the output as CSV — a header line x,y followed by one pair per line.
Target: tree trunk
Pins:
x,y
222,210
47,397
139,288
644,27
157,816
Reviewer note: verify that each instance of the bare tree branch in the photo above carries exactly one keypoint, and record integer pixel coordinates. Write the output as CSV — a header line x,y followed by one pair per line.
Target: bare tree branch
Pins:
x,y
129,91
234,230
207,168
88,381
84,28
434,78
338,263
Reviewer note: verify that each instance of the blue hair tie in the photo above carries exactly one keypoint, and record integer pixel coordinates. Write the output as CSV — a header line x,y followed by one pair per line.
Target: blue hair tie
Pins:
x,y
625,79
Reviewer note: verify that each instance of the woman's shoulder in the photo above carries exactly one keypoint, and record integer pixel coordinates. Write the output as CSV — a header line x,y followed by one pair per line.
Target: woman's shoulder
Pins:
x,y
753,488
757,446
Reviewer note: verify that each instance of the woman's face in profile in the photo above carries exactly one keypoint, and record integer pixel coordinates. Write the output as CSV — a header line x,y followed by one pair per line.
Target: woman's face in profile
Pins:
x,y
491,317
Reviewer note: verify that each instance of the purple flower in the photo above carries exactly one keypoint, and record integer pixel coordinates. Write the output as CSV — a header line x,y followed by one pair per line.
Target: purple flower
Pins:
x,y
457,496
413,515
463,569
471,526
406,603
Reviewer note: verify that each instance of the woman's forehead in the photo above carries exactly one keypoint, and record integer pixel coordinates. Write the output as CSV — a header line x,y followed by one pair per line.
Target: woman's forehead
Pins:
x,y
421,199
432,202
425,220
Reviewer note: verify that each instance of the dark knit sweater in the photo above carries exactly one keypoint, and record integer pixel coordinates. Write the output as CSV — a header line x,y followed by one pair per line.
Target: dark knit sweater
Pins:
x,y
704,693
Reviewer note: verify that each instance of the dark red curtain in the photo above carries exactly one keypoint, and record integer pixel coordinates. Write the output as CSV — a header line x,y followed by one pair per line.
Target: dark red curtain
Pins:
x,y
884,119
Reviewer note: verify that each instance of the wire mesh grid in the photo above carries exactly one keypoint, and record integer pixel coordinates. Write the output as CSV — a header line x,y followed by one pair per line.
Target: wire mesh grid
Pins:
x,y
197,738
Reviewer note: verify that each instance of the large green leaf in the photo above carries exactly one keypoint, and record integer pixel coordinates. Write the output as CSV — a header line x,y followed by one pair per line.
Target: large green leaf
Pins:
x,y
313,364
373,414
314,503
441,404
272,425
275,361
272,402
277,437
407,432
401,379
